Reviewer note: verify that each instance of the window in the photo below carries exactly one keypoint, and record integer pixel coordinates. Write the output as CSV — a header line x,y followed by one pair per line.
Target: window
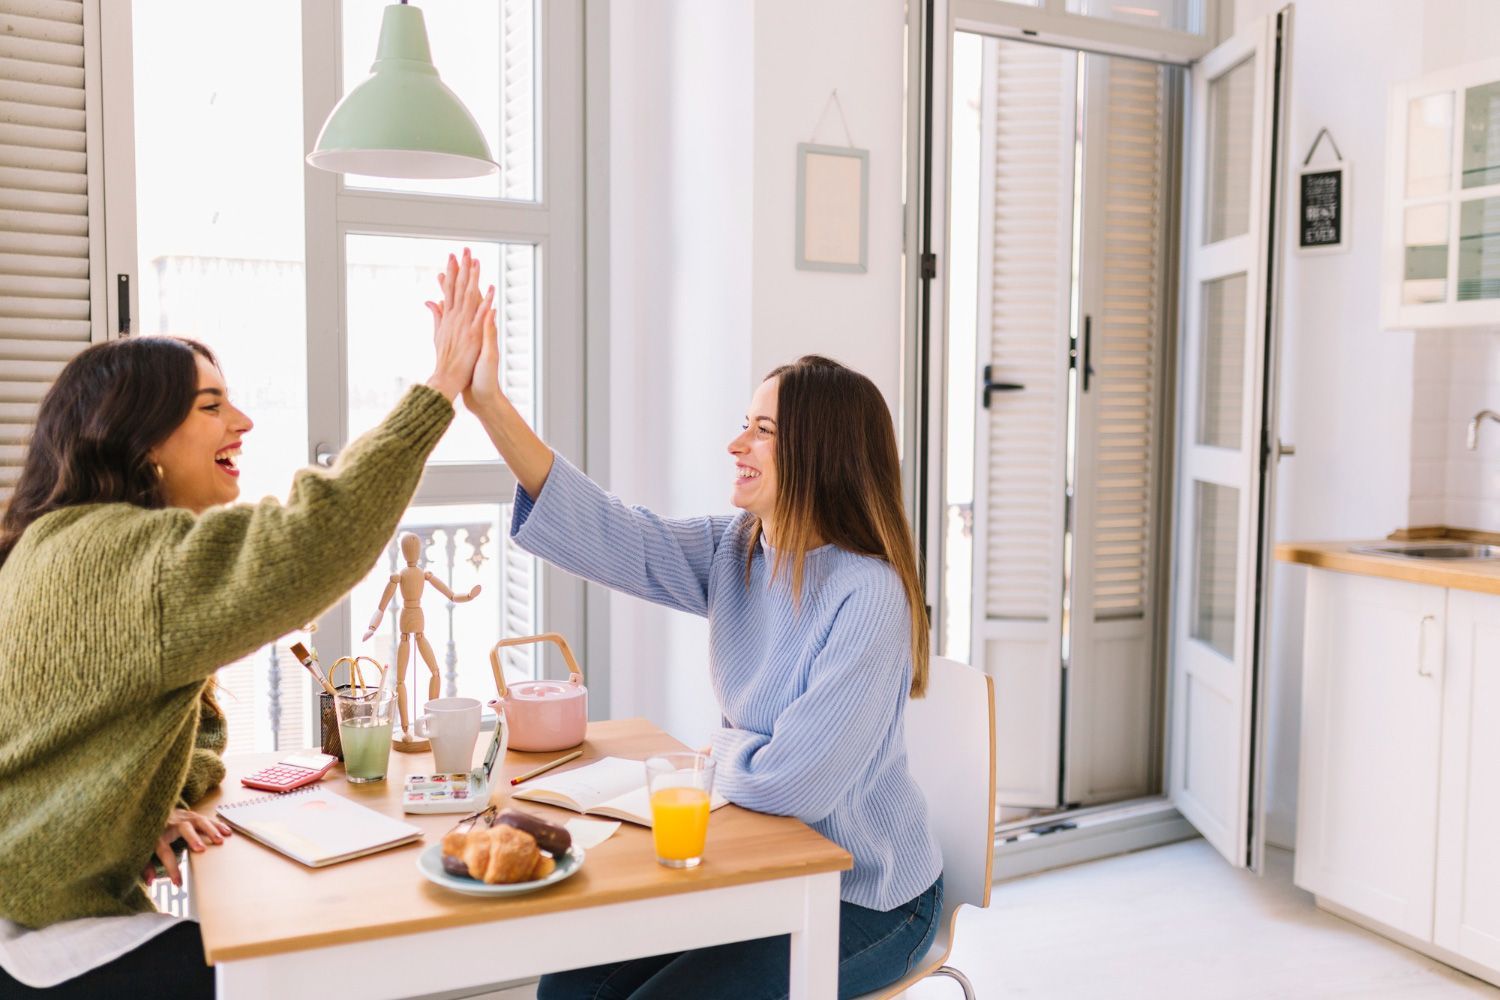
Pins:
x,y
309,287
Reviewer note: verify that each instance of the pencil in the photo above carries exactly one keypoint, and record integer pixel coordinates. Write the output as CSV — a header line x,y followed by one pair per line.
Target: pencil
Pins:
x,y
546,767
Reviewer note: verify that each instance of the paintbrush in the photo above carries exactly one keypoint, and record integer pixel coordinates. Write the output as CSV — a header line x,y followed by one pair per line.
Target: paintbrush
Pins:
x,y
305,658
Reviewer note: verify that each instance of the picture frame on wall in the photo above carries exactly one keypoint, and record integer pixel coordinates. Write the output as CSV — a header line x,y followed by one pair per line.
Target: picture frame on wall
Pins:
x,y
833,208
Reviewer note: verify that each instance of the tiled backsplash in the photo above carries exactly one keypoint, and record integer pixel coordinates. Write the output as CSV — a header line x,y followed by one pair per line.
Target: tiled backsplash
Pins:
x,y
1455,375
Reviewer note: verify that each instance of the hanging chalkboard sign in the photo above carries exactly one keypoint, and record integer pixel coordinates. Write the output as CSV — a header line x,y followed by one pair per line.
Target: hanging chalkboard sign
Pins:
x,y
1322,197
1321,221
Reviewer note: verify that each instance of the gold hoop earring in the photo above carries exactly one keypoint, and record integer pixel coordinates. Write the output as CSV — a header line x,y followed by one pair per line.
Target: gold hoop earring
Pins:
x,y
160,475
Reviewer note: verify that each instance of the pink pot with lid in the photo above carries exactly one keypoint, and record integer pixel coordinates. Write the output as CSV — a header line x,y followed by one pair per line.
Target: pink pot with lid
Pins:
x,y
542,715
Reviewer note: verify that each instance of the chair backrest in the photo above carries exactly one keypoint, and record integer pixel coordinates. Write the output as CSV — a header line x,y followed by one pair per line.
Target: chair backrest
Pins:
x,y
950,748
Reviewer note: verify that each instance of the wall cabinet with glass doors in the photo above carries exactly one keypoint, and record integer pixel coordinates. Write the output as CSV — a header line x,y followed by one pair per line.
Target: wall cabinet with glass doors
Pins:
x,y
1442,218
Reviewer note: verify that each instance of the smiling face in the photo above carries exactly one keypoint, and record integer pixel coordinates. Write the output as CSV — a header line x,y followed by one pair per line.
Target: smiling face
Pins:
x,y
754,452
198,460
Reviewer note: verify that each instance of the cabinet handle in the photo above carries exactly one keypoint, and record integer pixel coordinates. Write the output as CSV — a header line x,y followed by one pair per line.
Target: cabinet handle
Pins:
x,y
1422,670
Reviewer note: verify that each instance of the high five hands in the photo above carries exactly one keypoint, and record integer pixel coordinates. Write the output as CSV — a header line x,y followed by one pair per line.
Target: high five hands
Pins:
x,y
459,325
467,326
464,329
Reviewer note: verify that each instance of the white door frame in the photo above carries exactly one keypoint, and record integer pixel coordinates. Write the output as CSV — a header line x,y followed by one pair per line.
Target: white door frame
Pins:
x,y
1215,701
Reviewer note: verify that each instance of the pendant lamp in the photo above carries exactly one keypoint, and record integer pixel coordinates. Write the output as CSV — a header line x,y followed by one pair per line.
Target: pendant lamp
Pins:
x,y
402,121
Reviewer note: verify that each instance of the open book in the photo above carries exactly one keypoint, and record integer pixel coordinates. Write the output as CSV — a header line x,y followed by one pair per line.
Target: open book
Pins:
x,y
611,786
317,827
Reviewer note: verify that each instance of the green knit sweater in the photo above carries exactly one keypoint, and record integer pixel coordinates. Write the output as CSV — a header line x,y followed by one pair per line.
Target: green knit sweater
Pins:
x,y
111,619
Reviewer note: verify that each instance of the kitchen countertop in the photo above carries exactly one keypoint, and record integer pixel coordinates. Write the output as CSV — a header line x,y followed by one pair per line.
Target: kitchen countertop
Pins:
x,y
1482,575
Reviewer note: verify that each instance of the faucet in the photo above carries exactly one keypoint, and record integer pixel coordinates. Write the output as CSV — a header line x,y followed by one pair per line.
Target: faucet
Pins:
x,y
1473,438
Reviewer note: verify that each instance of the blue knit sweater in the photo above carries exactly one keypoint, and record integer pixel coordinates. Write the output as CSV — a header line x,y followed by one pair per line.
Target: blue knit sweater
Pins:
x,y
813,697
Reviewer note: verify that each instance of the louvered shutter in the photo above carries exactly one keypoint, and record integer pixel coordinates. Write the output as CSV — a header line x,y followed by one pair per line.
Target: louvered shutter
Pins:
x,y
1111,711
517,291
1127,337
45,245
1025,249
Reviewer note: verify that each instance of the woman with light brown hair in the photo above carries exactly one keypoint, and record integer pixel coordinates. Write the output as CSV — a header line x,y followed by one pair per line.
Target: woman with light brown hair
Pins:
x,y
818,634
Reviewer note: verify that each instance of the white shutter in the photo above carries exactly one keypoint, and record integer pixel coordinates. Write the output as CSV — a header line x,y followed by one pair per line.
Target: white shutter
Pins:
x,y
1126,339
1112,675
45,249
1026,322
517,292
1025,252
517,151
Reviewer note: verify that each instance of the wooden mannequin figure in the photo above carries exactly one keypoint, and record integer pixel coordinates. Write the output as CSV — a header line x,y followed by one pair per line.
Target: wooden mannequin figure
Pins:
x,y
412,580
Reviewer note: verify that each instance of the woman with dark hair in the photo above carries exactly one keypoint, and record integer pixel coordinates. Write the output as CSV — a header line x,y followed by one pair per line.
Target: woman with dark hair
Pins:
x,y
817,636
126,584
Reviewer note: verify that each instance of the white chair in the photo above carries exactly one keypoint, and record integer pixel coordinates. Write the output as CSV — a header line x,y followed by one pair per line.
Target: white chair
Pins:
x,y
950,747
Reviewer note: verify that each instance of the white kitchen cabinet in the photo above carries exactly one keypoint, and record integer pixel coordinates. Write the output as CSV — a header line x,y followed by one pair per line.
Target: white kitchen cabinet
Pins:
x,y
1468,873
1371,734
1398,811
1441,243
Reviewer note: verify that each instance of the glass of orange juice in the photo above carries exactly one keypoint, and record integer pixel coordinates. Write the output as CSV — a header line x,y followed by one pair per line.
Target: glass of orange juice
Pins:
x,y
680,785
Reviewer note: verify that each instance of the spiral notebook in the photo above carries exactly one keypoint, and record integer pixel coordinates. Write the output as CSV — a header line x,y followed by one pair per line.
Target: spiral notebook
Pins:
x,y
317,827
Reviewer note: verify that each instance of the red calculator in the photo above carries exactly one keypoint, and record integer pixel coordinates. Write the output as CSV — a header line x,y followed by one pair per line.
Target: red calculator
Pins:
x,y
291,772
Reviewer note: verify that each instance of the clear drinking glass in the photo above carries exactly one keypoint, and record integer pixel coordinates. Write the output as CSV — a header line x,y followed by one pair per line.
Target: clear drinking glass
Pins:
x,y
365,732
680,785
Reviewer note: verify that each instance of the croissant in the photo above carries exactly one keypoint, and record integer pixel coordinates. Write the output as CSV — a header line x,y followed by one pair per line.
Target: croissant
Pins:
x,y
495,854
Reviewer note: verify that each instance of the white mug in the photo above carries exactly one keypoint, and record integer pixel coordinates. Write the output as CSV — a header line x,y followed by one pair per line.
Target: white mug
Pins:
x,y
452,724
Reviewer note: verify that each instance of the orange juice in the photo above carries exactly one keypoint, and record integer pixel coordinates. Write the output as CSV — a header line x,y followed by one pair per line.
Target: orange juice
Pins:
x,y
679,818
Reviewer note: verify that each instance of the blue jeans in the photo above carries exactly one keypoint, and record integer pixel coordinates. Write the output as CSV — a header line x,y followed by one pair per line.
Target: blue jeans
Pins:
x,y
876,948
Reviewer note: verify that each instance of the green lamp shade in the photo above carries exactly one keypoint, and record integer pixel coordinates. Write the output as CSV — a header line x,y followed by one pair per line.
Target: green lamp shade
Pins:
x,y
402,121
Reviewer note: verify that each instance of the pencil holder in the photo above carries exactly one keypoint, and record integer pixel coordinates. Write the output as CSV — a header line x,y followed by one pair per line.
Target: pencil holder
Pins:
x,y
329,717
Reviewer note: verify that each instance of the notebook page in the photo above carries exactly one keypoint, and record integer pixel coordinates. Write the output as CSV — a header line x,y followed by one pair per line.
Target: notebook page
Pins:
x,y
588,786
316,827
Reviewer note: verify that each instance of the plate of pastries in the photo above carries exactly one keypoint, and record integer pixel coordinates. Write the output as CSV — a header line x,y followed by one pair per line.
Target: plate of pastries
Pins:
x,y
499,853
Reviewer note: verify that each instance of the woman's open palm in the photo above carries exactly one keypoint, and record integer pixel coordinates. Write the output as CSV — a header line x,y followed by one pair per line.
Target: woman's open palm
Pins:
x,y
458,322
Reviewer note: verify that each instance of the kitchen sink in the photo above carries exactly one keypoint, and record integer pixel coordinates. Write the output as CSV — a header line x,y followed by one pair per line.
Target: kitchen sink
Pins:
x,y
1433,550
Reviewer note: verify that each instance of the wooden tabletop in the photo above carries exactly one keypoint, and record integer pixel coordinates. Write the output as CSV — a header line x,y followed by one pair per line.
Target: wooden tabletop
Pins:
x,y
1459,574
251,901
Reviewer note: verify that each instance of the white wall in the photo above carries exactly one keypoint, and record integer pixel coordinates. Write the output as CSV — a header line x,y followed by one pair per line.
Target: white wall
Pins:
x,y
707,104
1346,385
1457,374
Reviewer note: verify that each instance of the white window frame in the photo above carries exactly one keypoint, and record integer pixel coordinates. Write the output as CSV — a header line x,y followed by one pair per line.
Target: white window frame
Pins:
x,y
554,223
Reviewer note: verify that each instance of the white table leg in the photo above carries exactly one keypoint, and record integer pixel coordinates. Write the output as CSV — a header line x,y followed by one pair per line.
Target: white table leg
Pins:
x,y
815,945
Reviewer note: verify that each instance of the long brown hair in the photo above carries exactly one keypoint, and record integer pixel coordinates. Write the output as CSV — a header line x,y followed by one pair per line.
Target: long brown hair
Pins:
x,y
839,480
95,429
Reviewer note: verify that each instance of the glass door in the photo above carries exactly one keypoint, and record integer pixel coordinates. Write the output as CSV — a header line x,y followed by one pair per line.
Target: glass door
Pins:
x,y
1225,421
1062,219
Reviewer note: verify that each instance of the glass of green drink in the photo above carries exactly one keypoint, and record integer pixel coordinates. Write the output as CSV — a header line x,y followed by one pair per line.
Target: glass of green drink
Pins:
x,y
365,732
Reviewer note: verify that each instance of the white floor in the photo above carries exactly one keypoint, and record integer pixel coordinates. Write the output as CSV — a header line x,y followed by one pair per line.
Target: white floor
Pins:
x,y
1173,922
1177,921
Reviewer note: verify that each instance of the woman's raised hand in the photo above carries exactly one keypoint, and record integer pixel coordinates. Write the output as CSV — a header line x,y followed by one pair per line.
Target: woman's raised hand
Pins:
x,y
458,325
484,391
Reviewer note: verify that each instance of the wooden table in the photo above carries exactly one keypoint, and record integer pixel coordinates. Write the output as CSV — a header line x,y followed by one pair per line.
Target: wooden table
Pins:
x,y
374,927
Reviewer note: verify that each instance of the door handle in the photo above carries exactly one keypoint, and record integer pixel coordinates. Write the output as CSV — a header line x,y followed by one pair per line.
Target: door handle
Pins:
x,y
1422,670
323,455
992,386
1284,450
1088,351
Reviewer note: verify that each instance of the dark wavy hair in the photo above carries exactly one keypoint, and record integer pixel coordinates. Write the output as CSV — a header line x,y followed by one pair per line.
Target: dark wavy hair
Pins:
x,y
839,480
96,427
